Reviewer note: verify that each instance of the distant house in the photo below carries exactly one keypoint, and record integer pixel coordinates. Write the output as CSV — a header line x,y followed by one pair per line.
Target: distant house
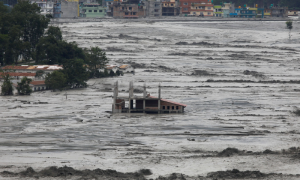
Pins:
x,y
92,10
248,13
293,13
16,75
126,68
46,6
128,11
109,68
218,11
38,85
33,69
227,9
144,103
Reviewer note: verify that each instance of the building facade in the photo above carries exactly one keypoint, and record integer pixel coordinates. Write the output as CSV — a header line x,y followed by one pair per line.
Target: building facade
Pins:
x,y
128,11
144,103
227,8
279,12
218,11
92,10
46,6
170,8
196,7
56,10
247,13
69,9
154,8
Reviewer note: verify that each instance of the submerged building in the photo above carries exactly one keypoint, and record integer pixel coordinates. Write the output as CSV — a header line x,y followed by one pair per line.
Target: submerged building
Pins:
x,y
144,103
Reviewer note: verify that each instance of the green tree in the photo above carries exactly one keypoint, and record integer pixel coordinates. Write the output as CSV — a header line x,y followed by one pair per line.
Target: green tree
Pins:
x,y
39,73
24,86
111,73
105,74
33,25
96,59
289,25
118,73
56,80
3,44
76,73
55,32
6,88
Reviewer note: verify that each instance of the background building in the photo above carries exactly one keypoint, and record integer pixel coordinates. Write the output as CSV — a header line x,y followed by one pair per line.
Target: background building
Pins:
x,y
46,6
218,11
154,8
92,10
196,7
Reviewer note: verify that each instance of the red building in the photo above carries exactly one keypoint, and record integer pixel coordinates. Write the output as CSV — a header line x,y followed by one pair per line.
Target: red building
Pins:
x,y
197,7
144,104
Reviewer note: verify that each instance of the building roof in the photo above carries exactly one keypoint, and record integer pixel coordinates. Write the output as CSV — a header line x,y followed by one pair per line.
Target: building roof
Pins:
x,y
18,74
36,83
110,66
35,67
169,101
15,67
124,66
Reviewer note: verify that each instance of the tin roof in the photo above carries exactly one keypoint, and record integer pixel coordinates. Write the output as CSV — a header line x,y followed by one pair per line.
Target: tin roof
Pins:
x,y
124,66
18,74
169,101
35,67
36,83
15,67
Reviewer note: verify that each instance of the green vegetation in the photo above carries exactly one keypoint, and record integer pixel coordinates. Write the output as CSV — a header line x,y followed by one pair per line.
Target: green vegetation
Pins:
x,y
23,86
6,88
291,4
25,36
96,59
289,25
56,80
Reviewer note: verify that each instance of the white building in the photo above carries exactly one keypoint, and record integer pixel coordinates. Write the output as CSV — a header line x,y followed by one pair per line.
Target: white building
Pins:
x,y
46,6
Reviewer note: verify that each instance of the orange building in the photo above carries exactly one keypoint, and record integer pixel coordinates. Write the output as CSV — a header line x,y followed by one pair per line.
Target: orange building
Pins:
x,y
197,7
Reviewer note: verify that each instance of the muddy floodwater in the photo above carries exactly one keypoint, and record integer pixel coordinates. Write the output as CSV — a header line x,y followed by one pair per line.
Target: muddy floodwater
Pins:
x,y
239,80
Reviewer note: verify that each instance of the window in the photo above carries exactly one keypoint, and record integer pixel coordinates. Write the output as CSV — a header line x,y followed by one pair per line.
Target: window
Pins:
x,y
134,13
172,4
185,4
164,107
126,13
177,107
95,10
208,13
122,8
166,4
100,10
185,9
168,107
90,10
83,10
156,10
209,8
130,8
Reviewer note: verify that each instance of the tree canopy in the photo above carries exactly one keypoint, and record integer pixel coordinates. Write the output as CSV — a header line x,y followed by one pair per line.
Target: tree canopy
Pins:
x,y
23,87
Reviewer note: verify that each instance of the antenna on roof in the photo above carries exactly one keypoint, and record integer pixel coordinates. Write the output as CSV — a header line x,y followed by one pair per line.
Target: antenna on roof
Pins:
x,y
145,93
159,90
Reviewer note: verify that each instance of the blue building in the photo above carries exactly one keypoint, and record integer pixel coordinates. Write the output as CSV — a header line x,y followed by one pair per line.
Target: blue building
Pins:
x,y
248,13
56,10
236,13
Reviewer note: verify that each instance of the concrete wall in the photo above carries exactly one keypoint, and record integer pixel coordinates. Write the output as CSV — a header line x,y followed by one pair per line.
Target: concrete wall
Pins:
x,y
154,9
69,9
